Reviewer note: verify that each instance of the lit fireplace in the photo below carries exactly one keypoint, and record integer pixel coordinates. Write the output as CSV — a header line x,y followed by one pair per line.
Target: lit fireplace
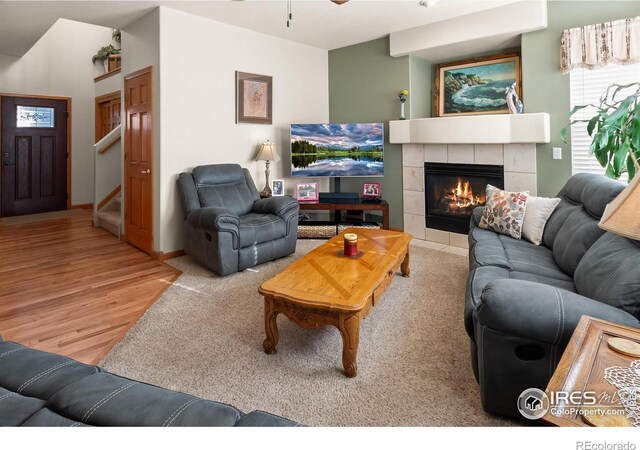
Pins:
x,y
461,197
452,191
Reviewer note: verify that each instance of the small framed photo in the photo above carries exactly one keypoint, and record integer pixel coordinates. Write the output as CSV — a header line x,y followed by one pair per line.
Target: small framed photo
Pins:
x,y
277,188
307,192
371,190
254,96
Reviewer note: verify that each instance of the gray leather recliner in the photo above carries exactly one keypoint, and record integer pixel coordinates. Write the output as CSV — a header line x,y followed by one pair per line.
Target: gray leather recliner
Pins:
x,y
523,302
227,226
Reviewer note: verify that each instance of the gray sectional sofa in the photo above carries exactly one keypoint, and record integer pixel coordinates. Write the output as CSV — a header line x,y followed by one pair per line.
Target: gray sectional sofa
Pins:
x,y
43,389
523,301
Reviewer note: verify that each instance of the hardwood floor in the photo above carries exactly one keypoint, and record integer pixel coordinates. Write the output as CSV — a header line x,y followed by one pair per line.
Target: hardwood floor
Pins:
x,y
69,288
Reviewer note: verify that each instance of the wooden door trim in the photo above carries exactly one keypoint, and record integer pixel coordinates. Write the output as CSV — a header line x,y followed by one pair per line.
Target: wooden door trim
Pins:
x,y
102,99
69,119
139,72
146,70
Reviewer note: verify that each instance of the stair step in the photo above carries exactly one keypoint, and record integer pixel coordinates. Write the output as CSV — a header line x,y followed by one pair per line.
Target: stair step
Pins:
x,y
110,221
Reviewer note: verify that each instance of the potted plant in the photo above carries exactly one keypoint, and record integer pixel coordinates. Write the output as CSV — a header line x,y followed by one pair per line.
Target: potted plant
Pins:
x,y
102,56
615,130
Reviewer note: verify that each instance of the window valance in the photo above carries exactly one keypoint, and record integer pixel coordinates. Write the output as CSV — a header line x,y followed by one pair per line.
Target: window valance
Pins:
x,y
595,46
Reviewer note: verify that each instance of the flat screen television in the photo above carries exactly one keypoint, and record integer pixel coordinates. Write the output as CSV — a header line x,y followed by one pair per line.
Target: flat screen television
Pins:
x,y
337,150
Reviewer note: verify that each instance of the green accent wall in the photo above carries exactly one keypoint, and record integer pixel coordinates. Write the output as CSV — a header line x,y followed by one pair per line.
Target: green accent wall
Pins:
x,y
364,82
420,72
545,89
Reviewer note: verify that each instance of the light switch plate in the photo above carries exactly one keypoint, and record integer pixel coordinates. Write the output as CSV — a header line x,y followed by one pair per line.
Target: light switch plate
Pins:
x,y
557,152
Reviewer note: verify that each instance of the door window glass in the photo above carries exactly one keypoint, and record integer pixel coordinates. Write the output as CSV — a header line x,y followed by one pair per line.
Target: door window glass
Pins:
x,y
34,117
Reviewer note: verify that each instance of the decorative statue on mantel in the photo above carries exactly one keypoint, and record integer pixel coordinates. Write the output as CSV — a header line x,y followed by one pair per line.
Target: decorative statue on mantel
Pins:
x,y
513,102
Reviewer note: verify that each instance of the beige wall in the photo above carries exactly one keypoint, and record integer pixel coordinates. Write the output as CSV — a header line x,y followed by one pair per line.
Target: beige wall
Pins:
x,y
59,64
197,84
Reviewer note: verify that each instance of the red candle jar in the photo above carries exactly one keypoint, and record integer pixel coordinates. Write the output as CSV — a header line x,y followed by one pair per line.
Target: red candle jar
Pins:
x,y
351,244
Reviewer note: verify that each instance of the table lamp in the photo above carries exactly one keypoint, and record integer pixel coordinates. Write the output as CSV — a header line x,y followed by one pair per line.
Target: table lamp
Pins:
x,y
622,215
267,153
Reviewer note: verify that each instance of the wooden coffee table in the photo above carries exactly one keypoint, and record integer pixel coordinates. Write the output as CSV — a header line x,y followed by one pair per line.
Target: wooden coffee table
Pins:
x,y
327,288
581,369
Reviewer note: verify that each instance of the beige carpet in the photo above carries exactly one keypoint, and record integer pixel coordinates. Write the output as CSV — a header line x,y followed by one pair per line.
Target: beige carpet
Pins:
x,y
204,336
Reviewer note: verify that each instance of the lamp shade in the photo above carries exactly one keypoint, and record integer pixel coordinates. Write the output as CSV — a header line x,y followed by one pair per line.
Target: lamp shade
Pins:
x,y
268,152
622,215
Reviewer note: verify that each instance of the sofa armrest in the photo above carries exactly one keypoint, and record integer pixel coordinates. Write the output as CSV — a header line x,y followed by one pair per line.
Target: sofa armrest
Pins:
x,y
284,207
539,311
476,215
214,219
279,206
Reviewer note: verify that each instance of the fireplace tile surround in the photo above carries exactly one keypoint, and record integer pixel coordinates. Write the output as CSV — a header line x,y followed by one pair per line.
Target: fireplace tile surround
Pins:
x,y
519,161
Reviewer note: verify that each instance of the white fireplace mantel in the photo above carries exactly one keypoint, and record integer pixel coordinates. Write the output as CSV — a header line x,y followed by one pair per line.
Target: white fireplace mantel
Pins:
x,y
532,128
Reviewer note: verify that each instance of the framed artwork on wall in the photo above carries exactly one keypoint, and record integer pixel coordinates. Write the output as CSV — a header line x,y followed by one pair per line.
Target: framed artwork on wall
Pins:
x,y
254,97
476,85
277,188
307,192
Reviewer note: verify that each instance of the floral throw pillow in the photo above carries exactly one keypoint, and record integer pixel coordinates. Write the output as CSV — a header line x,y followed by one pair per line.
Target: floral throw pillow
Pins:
x,y
504,211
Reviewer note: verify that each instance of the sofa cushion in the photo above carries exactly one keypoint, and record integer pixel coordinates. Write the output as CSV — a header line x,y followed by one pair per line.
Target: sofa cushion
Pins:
x,y
47,418
15,409
38,374
108,400
486,249
584,191
577,235
490,249
610,273
257,228
224,186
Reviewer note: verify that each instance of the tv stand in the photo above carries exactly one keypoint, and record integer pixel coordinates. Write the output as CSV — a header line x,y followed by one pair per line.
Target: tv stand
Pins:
x,y
357,214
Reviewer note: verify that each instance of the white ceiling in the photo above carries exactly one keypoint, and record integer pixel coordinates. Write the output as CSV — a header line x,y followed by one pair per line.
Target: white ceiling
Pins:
x,y
318,23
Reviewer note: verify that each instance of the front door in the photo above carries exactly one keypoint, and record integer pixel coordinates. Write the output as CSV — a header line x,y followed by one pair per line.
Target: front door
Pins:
x,y
138,162
34,156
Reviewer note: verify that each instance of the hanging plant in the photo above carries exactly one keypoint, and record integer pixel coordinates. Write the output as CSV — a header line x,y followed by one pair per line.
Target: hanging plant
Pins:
x,y
615,130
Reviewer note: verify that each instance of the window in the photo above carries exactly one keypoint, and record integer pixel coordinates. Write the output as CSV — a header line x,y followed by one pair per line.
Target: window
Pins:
x,y
586,86
34,117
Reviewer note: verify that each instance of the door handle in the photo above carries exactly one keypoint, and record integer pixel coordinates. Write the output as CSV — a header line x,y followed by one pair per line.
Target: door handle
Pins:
x,y
146,172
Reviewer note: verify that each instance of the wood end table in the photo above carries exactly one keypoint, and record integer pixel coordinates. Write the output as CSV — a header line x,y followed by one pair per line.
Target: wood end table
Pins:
x,y
581,369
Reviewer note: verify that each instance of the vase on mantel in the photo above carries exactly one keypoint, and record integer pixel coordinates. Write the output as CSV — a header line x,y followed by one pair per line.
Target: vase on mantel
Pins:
x,y
402,117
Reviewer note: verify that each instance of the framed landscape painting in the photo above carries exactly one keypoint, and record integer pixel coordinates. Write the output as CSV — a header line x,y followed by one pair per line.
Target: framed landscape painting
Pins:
x,y
254,95
476,85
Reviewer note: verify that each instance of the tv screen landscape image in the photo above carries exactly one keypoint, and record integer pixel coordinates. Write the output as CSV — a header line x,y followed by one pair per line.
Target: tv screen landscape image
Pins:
x,y
337,150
